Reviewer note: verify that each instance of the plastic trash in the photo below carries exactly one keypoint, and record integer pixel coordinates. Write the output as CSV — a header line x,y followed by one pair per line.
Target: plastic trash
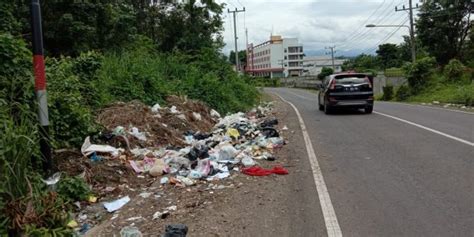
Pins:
x,y
88,148
227,152
215,114
197,116
92,199
173,110
164,180
269,122
201,136
220,175
119,130
158,168
194,174
142,166
276,141
176,230
270,132
117,204
176,162
259,171
203,167
284,128
199,151
156,108
181,116
72,224
95,157
160,215
54,179
247,161
184,172
144,195
130,231
186,181
139,135
84,228
233,133
189,139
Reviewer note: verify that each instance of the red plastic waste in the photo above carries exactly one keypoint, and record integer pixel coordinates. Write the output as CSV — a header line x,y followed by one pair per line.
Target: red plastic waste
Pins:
x,y
259,171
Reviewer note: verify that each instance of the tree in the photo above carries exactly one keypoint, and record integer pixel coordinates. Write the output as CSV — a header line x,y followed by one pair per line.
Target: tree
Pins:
x,y
388,55
361,63
242,57
326,71
443,27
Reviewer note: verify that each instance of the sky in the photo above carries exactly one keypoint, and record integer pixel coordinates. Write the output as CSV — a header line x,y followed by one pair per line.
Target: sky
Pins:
x,y
318,23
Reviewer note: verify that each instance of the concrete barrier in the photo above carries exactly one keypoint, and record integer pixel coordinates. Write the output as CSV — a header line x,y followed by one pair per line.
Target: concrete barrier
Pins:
x,y
300,82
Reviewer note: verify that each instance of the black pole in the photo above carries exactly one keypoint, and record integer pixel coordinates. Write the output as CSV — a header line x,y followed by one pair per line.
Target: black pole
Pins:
x,y
40,84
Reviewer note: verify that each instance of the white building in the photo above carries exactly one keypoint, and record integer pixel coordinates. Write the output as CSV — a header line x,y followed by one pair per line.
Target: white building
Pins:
x,y
278,57
313,65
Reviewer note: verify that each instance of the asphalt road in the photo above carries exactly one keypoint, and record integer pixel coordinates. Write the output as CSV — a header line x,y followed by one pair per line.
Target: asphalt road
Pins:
x,y
386,177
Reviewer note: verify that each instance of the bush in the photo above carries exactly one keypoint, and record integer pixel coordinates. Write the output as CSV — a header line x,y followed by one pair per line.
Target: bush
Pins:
x,y
150,77
387,92
73,189
402,93
454,70
70,116
394,72
419,73
326,71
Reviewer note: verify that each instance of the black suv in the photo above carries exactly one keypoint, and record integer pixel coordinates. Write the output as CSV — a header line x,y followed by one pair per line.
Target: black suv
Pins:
x,y
348,90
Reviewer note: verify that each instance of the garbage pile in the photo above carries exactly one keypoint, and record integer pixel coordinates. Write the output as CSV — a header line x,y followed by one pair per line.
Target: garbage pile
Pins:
x,y
200,144
185,143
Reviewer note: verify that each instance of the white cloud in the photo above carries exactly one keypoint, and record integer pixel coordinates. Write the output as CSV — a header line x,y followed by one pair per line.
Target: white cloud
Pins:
x,y
316,23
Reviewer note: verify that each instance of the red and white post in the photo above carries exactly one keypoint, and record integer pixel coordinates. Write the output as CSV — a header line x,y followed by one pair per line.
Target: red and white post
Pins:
x,y
40,84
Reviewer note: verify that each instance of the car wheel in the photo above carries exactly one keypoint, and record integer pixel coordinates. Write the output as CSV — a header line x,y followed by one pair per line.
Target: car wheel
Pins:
x,y
327,108
369,110
321,107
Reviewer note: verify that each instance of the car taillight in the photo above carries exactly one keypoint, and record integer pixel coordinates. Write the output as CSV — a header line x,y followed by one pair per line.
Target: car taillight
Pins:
x,y
333,84
368,82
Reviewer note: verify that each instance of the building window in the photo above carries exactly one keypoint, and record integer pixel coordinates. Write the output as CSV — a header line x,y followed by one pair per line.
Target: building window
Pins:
x,y
285,57
285,50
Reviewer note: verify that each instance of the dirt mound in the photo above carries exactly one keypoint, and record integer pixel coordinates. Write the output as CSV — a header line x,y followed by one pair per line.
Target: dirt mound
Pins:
x,y
164,126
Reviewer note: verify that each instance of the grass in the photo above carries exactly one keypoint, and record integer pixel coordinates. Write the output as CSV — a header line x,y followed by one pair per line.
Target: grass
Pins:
x,y
447,93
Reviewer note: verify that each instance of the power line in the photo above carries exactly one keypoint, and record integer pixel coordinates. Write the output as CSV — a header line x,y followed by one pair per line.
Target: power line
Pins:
x,y
240,3
229,2
385,39
365,32
366,20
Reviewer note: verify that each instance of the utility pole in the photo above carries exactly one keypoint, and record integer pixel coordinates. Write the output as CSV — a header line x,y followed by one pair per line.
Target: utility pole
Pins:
x,y
412,27
246,48
40,84
332,56
235,36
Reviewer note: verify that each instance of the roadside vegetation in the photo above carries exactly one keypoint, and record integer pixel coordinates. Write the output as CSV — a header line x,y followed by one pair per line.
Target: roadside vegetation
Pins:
x,y
98,53
444,69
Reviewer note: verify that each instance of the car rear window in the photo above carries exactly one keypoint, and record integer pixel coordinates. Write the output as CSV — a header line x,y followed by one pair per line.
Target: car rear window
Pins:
x,y
350,79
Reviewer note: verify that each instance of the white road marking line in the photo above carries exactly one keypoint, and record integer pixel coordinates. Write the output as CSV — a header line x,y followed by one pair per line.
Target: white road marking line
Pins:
x,y
427,128
430,107
330,218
